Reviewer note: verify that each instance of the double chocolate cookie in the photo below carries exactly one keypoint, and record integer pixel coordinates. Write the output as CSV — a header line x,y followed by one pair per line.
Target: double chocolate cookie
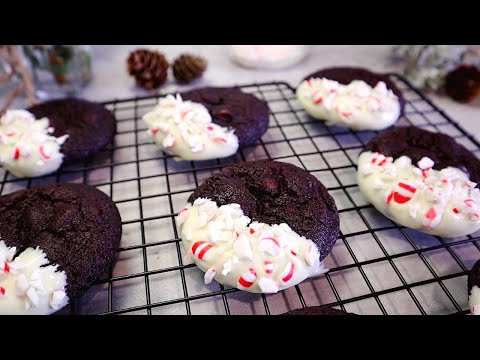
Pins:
x,y
422,180
56,240
260,226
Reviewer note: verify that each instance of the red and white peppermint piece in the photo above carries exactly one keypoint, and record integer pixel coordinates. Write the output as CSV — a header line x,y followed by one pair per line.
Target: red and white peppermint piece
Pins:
x,y
16,153
220,140
270,245
425,163
378,159
182,216
169,141
287,273
209,275
268,286
432,218
404,192
44,153
268,266
4,266
202,250
470,184
247,279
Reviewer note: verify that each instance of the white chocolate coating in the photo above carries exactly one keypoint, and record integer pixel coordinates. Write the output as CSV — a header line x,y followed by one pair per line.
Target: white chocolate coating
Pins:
x,y
443,203
185,129
474,300
27,287
26,147
250,256
357,105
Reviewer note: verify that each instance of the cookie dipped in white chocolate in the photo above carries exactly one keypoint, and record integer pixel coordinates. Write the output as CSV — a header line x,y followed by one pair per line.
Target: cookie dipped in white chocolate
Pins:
x,y
357,105
27,148
250,256
27,286
185,129
443,203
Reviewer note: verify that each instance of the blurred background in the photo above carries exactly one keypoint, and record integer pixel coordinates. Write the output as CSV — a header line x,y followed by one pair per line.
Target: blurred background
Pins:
x,y
106,72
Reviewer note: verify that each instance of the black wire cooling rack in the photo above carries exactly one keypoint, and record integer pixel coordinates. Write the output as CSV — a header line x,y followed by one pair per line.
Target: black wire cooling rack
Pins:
x,y
376,266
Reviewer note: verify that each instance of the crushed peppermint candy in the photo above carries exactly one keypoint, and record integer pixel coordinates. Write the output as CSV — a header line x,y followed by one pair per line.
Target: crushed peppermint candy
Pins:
x,y
356,105
252,256
185,129
32,285
442,202
27,148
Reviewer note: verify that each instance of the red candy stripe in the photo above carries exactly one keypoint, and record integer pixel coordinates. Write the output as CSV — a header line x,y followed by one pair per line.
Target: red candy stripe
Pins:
x,y
407,187
399,198
44,154
289,274
220,140
204,250
252,231
196,245
246,283
431,214
2,291
16,153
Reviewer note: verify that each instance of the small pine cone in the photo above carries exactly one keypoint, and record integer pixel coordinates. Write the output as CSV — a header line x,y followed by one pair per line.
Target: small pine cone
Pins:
x,y
149,68
187,68
463,83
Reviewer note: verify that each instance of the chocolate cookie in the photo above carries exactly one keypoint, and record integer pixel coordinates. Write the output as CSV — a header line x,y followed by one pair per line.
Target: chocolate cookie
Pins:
x,y
232,108
417,143
273,192
474,289
317,310
261,226
90,126
345,75
422,180
74,226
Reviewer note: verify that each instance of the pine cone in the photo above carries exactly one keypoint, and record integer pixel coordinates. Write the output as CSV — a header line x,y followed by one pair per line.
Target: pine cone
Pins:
x,y
148,67
187,68
463,83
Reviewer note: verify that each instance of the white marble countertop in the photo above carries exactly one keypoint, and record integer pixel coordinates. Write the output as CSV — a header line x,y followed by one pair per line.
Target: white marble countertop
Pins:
x,y
110,79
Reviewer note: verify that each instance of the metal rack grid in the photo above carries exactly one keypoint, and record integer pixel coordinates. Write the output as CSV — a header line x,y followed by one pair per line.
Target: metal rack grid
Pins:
x,y
376,266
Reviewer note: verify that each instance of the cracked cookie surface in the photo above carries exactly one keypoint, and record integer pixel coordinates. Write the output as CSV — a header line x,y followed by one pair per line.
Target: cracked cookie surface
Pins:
x,y
274,192
77,226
